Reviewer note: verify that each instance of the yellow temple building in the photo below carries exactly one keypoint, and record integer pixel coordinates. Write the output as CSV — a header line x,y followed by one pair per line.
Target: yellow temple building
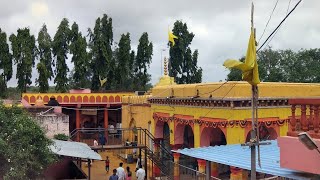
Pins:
x,y
209,114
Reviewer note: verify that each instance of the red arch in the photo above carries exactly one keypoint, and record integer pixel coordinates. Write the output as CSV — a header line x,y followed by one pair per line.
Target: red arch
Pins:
x,y
98,99
66,99
32,99
72,99
46,99
85,99
104,99
92,99
159,129
111,99
26,98
59,99
117,99
79,99
212,136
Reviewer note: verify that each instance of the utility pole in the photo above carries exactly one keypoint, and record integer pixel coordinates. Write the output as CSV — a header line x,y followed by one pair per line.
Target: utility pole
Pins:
x,y
253,139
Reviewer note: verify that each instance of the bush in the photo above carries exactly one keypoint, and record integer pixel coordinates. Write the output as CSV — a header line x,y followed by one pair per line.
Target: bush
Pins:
x,y
24,148
62,137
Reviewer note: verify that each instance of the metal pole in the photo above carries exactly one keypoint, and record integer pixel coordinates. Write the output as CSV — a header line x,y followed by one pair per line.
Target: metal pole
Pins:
x,y
89,169
253,132
145,162
208,170
145,153
253,136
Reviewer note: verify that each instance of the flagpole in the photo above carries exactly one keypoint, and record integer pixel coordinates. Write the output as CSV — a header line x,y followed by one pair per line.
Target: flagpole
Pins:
x,y
253,132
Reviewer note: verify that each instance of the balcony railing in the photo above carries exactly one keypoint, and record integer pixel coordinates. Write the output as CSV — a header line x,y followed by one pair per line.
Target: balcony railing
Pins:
x,y
308,120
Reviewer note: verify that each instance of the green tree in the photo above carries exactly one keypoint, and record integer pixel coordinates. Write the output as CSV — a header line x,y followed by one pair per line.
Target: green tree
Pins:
x,y
44,67
24,54
24,148
43,77
285,66
100,44
78,49
5,63
142,62
123,58
60,50
183,63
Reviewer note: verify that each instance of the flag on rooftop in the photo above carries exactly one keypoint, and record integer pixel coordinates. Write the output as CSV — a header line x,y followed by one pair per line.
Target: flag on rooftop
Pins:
x,y
172,37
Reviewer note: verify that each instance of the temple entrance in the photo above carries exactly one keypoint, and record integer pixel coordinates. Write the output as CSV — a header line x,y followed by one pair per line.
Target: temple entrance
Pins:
x,y
166,136
265,133
188,137
212,137
188,142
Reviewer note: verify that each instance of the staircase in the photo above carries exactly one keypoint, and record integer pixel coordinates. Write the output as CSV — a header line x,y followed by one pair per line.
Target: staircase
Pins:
x,y
163,159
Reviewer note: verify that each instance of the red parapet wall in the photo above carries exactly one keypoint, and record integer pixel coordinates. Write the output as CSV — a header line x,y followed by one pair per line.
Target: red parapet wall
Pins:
x,y
294,155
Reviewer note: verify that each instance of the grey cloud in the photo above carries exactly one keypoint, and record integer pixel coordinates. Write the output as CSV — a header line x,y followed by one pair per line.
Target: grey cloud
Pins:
x,y
221,27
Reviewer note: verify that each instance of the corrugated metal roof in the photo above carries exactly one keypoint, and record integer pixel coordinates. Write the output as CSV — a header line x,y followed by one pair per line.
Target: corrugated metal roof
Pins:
x,y
74,149
240,156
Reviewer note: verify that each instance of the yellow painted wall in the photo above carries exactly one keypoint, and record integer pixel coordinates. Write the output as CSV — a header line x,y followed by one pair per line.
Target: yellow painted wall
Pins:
x,y
229,90
235,135
239,89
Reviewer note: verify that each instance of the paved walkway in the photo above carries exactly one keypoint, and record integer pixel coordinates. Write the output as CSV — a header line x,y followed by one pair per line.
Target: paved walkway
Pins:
x,y
98,167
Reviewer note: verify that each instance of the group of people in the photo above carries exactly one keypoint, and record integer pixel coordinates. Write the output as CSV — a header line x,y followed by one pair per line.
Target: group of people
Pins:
x,y
120,174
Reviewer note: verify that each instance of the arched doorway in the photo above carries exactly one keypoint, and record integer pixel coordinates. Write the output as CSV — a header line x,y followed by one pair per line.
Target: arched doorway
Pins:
x,y
212,137
166,138
188,142
188,137
264,133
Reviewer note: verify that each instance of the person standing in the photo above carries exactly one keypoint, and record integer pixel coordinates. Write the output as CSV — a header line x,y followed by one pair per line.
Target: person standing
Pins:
x,y
120,172
129,173
141,173
114,176
107,164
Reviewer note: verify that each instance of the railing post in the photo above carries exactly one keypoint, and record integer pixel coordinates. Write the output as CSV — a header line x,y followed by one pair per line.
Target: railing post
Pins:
x,y
78,122
106,122
310,121
145,154
293,117
176,172
208,170
304,118
316,119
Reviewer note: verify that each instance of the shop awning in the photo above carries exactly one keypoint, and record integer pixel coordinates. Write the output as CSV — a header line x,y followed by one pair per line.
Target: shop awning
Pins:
x,y
73,149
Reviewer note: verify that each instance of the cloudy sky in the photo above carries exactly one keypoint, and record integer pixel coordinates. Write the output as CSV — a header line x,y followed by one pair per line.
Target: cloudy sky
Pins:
x,y
221,28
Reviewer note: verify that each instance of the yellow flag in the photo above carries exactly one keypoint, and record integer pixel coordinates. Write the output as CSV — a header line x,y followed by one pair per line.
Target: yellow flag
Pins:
x,y
102,81
249,68
172,37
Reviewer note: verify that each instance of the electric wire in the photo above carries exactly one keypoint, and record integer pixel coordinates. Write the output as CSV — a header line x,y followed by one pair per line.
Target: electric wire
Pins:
x,y
268,21
279,25
278,29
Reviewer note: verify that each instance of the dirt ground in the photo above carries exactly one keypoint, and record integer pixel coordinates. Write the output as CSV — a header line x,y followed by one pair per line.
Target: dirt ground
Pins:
x,y
98,167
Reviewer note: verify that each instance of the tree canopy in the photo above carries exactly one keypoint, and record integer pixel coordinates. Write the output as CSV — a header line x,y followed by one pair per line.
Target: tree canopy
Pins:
x,y
60,50
100,43
24,148
78,49
5,63
183,64
44,67
123,58
24,53
285,66
142,63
